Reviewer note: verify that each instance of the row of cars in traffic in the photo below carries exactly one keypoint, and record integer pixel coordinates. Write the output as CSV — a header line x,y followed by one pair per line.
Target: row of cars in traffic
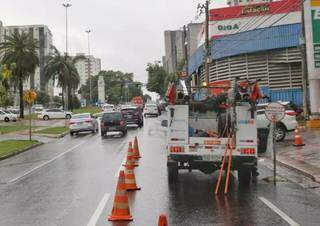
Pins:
x,y
112,119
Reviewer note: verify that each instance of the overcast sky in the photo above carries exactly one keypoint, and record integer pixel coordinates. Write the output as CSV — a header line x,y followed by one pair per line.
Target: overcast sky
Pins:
x,y
126,34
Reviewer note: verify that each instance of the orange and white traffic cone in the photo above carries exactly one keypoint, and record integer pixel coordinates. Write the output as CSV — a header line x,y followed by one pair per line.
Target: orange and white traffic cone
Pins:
x,y
131,161
136,151
130,179
163,220
297,139
120,210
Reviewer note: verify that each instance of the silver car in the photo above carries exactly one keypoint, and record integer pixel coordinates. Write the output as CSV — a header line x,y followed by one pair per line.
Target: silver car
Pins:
x,y
82,123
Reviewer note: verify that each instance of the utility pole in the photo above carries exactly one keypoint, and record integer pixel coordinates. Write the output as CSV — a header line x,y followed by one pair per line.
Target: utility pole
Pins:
x,y
65,98
204,8
89,68
304,67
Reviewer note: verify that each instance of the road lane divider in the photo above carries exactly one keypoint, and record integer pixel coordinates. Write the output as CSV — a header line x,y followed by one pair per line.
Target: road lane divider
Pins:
x,y
136,151
96,215
45,163
121,209
130,179
131,160
275,209
162,220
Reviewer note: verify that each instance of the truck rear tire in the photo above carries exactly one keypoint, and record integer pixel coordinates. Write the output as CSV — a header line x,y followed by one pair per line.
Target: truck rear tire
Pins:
x,y
244,176
172,169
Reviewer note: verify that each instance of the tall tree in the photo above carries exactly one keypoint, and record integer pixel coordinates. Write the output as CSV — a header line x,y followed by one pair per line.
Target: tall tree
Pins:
x,y
114,86
62,68
20,49
157,79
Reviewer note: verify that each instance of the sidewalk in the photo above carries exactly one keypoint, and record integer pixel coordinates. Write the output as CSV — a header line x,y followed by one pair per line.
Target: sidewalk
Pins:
x,y
305,159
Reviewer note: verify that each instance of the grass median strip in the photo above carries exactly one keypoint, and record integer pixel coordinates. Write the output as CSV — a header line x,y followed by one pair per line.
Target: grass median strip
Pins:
x,y
9,147
12,128
91,110
53,130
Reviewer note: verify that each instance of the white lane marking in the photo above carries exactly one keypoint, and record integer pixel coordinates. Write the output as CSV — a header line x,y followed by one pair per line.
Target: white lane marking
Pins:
x,y
96,215
45,163
284,216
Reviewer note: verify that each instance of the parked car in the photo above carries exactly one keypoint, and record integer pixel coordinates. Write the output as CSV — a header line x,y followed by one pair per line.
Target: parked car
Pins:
x,y
14,113
7,116
108,107
37,108
54,114
133,116
113,122
14,110
151,109
82,123
287,124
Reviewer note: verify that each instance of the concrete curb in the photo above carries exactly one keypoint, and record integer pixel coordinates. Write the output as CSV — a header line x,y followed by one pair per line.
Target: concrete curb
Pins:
x,y
52,135
23,150
300,168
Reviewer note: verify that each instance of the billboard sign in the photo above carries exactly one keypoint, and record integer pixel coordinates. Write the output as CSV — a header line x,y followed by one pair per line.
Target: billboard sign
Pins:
x,y
231,20
315,20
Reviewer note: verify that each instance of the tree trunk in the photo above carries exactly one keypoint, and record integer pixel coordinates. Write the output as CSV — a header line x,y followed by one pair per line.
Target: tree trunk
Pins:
x,y
70,98
21,98
62,99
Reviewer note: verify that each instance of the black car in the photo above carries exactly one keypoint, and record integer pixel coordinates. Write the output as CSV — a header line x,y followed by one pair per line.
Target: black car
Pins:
x,y
133,116
113,122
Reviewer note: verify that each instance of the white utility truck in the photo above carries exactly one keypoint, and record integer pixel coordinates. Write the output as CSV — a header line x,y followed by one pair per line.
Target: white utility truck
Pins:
x,y
199,131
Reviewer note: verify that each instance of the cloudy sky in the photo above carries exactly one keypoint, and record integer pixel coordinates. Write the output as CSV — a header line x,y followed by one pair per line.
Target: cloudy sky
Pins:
x,y
126,34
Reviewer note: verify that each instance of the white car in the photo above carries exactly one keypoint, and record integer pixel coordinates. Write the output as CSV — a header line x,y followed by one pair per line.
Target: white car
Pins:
x,y
82,123
37,108
54,114
108,107
287,124
150,109
7,116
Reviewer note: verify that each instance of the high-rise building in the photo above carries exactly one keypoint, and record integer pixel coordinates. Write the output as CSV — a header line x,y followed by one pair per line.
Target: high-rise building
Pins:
x,y
245,2
175,49
43,35
86,67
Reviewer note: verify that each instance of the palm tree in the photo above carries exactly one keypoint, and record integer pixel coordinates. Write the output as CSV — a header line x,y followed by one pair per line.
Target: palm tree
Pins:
x,y
20,49
62,68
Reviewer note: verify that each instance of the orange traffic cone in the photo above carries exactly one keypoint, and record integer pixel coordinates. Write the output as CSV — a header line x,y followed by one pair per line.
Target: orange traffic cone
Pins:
x,y
120,210
136,152
130,179
131,161
297,139
163,220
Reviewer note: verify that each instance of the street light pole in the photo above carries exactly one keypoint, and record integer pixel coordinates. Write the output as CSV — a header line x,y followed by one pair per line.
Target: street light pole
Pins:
x,y
89,66
65,102
66,5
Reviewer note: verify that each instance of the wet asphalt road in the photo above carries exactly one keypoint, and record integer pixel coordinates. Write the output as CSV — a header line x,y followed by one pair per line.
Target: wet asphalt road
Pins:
x,y
72,182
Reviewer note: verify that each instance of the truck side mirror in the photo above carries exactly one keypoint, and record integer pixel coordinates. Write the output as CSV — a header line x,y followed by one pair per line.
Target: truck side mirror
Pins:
x,y
164,123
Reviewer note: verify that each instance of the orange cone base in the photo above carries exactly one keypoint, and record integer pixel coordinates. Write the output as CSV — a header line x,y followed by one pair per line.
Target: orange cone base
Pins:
x,y
133,189
120,218
299,145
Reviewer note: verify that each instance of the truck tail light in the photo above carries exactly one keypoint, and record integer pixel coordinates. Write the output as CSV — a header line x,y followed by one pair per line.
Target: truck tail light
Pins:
x,y
121,122
291,113
176,149
88,121
72,123
248,151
